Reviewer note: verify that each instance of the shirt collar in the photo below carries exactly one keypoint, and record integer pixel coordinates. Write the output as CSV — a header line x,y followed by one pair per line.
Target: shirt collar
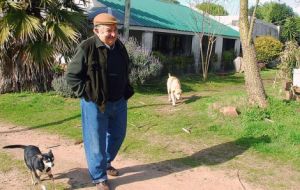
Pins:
x,y
110,47
98,42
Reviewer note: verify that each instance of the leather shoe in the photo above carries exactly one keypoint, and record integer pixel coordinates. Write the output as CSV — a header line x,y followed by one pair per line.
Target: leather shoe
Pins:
x,y
102,185
112,171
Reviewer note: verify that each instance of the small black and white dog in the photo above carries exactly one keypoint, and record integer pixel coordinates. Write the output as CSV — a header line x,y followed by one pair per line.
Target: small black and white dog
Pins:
x,y
36,162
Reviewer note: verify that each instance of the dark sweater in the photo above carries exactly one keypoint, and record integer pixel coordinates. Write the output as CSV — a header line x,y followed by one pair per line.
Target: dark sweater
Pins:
x,y
116,74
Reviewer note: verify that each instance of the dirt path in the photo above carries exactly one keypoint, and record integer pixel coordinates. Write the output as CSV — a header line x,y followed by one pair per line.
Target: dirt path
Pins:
x,y
70,168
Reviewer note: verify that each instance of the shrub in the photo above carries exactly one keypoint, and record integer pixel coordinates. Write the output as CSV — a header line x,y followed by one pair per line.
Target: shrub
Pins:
x,y
228,56
267,48
174,64
144,65
227,59
254,114
290,59
59,84
162,58
177,64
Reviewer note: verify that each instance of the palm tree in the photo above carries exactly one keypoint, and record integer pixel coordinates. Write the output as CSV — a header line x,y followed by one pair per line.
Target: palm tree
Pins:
x,y
32,34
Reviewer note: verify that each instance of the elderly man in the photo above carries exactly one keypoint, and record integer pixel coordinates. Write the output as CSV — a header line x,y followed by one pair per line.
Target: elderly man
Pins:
x,y
98,74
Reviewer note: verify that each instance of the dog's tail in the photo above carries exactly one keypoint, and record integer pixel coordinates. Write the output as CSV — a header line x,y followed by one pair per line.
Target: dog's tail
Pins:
x,y
169,74
15,146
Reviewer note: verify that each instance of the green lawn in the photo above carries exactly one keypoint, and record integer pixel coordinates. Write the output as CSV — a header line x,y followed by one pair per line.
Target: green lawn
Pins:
x,y
155,127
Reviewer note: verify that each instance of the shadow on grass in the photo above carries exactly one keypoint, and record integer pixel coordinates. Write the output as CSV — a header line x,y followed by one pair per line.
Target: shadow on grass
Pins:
x,y
147,105
42,126
229,78
185,100
191,99
158,86
234,79
218,154
214,155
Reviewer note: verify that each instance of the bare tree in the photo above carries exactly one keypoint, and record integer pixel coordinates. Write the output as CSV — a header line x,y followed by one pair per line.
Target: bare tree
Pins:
x,y
254,85
126,20
206,56
199,25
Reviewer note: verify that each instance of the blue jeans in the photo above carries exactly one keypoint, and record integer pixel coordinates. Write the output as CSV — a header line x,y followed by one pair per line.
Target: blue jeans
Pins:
x,y
103,135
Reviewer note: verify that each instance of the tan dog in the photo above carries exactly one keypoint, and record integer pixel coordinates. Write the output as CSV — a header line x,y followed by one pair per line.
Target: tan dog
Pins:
x,y
174,89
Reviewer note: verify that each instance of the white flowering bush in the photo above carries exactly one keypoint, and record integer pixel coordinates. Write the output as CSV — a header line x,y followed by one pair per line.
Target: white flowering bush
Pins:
x,y
59,84
144,65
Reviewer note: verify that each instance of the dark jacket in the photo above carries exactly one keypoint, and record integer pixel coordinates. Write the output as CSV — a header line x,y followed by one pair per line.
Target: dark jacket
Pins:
x,y
87,72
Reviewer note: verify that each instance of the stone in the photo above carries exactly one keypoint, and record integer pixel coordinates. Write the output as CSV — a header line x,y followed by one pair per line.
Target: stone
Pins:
x,y
238,64
229,111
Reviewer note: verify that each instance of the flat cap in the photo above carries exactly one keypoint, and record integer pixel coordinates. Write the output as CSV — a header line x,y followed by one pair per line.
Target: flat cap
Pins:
x,y
104,18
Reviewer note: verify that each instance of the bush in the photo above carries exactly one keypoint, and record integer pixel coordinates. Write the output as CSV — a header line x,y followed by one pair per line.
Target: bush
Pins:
x,y
227,59
144,65
254,114
267,48
59,84
290,59
228,56
162,58
175,64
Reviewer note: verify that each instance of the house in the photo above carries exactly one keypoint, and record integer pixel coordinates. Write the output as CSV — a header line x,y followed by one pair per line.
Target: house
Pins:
x,y
171,29
261,28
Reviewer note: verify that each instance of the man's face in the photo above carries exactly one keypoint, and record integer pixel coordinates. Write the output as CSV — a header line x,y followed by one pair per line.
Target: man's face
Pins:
x,y
107,33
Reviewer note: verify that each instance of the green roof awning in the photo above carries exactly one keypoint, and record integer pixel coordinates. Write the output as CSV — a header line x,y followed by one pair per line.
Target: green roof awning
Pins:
x,y
162,15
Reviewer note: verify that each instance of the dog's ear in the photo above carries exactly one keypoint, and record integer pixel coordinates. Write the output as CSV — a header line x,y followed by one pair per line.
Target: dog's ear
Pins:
x,y
50,153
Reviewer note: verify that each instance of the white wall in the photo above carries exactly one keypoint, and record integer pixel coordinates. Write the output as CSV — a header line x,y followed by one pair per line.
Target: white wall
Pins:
x,y
89,4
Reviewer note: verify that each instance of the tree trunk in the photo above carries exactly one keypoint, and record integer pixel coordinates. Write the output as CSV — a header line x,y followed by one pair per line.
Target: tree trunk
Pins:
x,y
254,85
16,76
6,81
